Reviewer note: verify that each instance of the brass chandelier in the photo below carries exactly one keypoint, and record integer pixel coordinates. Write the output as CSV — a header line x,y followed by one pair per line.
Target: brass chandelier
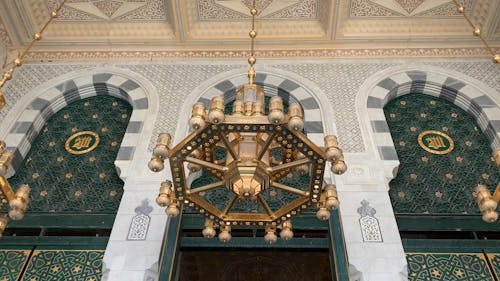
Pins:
x,y
19,200
248,168
486,202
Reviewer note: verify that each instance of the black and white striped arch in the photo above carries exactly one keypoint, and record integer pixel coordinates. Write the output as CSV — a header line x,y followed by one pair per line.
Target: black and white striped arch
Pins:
x,y
288,90
466,96
34,116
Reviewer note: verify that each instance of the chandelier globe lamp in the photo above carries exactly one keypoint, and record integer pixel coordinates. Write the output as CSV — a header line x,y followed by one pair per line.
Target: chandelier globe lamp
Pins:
x,y
248,164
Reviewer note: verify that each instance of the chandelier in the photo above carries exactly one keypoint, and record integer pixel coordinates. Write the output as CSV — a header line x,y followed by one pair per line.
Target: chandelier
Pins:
x,y
19,200
486,202
251,167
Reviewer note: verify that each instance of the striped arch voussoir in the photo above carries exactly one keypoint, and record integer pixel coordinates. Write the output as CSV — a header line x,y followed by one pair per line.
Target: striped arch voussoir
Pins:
x,y
467,97
34,116
288,90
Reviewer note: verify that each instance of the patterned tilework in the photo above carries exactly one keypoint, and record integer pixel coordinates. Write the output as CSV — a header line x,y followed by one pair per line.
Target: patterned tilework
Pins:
x,y
370,227
56,265
32,119
368,8
484,71
140,222
173,83
29,77
288,90
66,183
495,262
445,182
210,10
341,82
480,107
83,10
11,264
450,267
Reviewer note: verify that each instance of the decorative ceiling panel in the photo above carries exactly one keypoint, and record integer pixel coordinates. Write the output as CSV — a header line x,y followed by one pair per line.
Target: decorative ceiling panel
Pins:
x,y
4,36
428,20
228,20
406,8
218,28
111,10
210,10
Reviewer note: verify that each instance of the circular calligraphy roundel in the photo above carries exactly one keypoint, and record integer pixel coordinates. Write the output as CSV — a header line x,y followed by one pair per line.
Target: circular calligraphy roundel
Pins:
x,y
82,142
435,142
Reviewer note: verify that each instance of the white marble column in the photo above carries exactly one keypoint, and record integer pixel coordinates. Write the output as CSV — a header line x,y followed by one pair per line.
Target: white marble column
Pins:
x,y
374,248
134,247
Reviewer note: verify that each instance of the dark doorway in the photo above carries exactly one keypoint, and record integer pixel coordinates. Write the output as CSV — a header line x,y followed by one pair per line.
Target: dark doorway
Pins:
x,y
254,265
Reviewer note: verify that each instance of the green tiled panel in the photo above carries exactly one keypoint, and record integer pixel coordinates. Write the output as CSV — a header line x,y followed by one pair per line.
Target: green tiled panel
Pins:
x,y
11,263
449,267
429,183
495,263
66,183
58,265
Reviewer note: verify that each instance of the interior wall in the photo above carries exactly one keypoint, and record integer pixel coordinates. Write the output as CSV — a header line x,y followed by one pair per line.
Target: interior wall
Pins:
x,y
367,218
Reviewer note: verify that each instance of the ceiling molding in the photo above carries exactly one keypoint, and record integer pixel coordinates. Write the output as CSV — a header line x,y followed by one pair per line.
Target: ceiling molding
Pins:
x,y
52,56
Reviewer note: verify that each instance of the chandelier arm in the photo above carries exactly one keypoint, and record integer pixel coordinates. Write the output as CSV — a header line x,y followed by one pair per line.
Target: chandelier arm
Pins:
x,y
264,204
266,146
229,206
289,189
206,164
228,146
6,189
205,187
289,165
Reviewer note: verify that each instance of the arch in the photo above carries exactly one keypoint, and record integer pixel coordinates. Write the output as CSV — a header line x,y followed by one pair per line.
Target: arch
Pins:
x,y
473,96
290,86
27,117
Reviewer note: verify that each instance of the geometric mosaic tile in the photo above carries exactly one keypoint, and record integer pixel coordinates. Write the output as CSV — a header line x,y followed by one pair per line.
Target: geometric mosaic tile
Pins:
x,y
63,182
11,263
449,267
495,262
432,183
68,265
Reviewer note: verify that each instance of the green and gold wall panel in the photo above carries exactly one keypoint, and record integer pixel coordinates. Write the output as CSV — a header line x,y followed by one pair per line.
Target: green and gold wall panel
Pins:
x,y
11,264
51,265
443,156
495,264
70,164
448,266
68,265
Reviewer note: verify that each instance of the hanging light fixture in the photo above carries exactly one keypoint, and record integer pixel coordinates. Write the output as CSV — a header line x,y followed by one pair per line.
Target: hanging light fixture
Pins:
x,y
248,169
486,202
19,200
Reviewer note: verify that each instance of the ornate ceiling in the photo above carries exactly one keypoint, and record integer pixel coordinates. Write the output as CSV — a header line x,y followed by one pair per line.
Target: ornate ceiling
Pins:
x,y
147,29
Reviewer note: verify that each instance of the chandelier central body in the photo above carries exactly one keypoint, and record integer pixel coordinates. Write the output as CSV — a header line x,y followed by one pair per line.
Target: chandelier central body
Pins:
x,y
253,156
